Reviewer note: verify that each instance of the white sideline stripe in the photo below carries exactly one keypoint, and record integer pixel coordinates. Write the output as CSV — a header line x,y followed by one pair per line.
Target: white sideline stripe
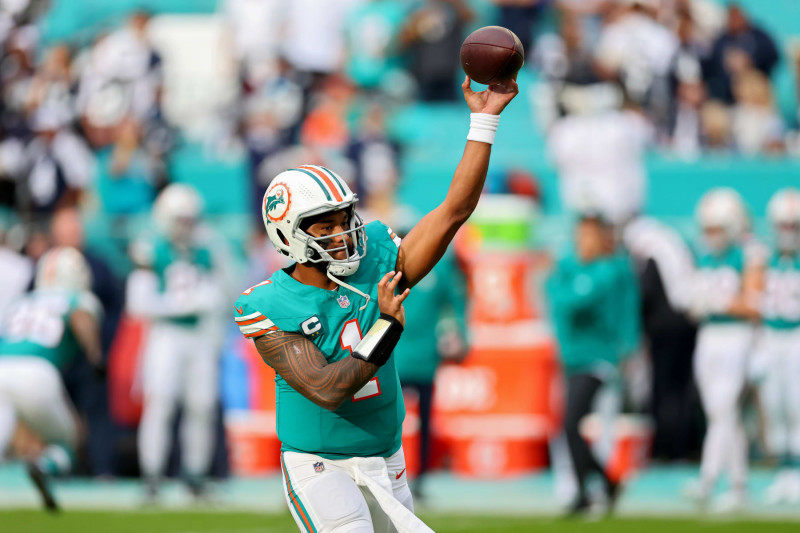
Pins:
x,y
243,530
246,317
252,328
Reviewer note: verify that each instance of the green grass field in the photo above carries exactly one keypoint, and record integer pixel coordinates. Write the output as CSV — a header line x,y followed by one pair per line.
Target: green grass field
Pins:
x,y
209,522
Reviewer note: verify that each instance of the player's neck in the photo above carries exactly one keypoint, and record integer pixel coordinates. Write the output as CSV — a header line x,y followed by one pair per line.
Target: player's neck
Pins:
x,y
314,276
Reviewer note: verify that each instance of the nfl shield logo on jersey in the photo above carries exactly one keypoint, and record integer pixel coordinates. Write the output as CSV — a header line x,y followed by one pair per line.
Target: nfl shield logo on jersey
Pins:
x,y
344,301
319,467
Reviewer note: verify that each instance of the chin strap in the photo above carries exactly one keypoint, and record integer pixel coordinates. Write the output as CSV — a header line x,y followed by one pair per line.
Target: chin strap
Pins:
x,y
345,285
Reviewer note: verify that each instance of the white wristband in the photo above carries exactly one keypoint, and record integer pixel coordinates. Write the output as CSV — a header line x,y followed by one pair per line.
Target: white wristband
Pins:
x,y
482,127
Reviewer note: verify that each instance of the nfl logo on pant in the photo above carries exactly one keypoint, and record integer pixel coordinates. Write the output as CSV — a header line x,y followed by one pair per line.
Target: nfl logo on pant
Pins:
x,y
319,467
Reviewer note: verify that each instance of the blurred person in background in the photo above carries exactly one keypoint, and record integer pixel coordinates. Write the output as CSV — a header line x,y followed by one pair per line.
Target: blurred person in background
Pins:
x,y
636,49
664,262
521,17
52,82
724,289
17,70
58,165
45,332
682,128
598,149
178,289
436,313
776,357
91,396
120,77
125,173
716,128
16,268
431,39
756,125
581,293
742,46
376,159
373,48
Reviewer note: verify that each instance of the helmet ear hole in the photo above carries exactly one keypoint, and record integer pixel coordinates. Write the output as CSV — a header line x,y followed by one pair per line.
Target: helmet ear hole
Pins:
x,y
283,238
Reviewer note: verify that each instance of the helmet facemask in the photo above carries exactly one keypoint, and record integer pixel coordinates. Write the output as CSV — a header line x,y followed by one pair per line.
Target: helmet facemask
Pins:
x,y
317,249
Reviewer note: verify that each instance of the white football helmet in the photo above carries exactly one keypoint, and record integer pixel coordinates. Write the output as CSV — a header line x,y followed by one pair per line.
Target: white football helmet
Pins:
x,y
63,267
306,191
783,211
177,209
723,208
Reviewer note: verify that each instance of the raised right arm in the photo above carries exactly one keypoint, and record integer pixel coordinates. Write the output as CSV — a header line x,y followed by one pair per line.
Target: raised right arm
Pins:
x,y
298,361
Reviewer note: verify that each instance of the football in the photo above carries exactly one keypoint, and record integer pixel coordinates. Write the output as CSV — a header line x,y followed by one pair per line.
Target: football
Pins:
x,y
491,55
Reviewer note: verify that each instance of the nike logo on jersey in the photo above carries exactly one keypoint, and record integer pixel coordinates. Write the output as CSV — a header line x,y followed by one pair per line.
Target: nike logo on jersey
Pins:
x,y
238,310
400,474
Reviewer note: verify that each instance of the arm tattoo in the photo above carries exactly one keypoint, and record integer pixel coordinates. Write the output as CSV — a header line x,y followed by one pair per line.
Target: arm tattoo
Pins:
x,y
298,361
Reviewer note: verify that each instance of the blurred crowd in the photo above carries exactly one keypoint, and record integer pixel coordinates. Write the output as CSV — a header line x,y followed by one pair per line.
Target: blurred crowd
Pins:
x,y
83,130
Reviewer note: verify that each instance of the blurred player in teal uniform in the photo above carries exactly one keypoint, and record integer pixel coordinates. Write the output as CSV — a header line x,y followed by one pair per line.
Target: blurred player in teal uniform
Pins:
x,y
178,288
44,333
328,325
435,312
776,358
722,301
593,300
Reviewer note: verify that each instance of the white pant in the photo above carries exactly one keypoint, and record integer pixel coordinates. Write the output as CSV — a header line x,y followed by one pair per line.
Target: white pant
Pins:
x,y
720,370
180,365
778,356
349,495
31,391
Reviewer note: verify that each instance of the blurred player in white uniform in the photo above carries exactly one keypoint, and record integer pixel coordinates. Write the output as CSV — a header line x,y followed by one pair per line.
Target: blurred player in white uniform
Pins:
x,y
179,289
776,359
44,333
721,301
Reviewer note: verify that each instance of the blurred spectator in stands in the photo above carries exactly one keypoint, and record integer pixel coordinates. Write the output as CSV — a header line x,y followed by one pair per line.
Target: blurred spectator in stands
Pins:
x,y
122,76
16,268
741,47
567,57
521,17
432,39
91,395
125,181
637,50
272,111
716,127
12,160
255,28
598,150
375,157
314,36
685,128
17,69
372,32
756,125
58,165
52,84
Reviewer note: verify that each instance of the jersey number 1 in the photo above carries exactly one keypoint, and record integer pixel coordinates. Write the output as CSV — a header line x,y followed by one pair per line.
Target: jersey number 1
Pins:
x,y
349,339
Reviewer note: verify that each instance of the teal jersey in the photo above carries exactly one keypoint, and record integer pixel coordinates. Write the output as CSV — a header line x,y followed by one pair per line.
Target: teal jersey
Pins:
x,y
584,305
719,278
179,270
627,305
38,326
442,292
369,424
780,305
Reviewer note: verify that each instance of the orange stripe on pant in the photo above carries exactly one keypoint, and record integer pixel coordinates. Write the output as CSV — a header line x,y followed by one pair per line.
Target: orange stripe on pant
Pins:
x,y
295,500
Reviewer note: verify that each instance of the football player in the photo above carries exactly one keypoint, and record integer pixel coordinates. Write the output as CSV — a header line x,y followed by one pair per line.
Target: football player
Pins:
x,y
722,301
328,325
45,331
778,350
177,288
